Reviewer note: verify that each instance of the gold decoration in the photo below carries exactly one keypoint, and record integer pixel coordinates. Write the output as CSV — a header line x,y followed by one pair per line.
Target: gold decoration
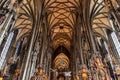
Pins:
x,y
40,71
77,77
100,68
84,72
84,75
1,78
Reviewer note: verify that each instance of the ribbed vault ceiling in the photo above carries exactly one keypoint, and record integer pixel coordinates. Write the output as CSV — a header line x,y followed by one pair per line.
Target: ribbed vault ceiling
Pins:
x,y
61,20
61,61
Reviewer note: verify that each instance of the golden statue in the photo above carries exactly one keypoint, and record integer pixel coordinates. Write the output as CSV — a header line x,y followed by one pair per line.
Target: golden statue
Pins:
x,y
100,70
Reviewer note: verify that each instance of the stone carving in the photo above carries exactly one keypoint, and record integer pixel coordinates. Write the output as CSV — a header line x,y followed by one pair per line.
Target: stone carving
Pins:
x,y
101,72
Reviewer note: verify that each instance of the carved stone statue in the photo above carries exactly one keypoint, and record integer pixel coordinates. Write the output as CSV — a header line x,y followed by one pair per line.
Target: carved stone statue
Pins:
x,y
101,71
39,75
77,77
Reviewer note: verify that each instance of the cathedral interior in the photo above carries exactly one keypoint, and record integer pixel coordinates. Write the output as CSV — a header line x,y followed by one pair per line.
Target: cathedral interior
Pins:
x,y
59,39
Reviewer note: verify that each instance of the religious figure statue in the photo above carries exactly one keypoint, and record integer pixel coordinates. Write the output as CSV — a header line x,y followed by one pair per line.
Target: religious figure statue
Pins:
x,y
39,75
16,74
84,72
2,18
3,12
101,71
77,77
55,71
32,78
36,77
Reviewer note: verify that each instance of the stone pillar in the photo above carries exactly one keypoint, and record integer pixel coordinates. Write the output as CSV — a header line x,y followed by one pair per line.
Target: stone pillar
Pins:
x,y
29,51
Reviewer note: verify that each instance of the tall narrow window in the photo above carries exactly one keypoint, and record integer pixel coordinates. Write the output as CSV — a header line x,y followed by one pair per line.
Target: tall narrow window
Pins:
x,y
5,49
116,42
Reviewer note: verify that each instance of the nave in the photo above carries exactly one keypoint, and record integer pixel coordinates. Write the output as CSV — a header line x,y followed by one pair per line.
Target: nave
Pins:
x,y
59,39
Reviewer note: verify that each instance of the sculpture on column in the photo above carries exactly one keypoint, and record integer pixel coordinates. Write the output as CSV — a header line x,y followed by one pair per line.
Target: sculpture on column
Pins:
x,y
101,71
39,75
32,78
77,77
2,18
1,76
55,71
16,74
2,15
84,72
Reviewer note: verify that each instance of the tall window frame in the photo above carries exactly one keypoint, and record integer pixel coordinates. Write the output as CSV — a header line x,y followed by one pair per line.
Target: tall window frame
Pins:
x,y
116,42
